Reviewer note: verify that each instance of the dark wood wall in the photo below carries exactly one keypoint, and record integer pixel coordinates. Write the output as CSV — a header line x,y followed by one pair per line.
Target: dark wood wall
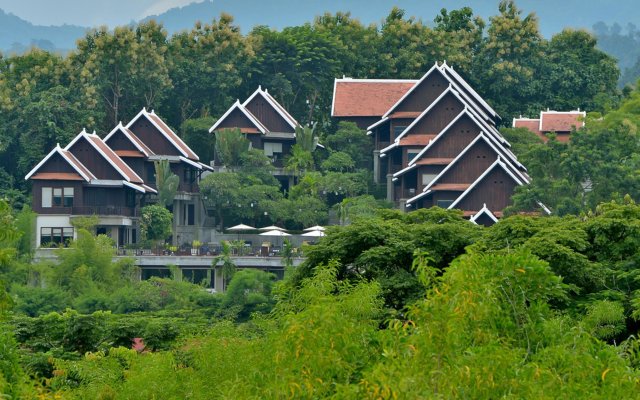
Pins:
x,y
37,194
56,164
119,142
495,190
423,95
269,117
153,138
94,161
471,165
236,119
455,139
439,116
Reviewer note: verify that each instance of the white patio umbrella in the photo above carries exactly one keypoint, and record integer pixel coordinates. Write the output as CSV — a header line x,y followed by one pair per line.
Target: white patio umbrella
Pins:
x,y
315,228
241,227
272,228
313,234
275,233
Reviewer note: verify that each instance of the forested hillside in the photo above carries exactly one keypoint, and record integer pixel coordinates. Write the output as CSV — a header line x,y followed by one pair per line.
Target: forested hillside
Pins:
x,y
395,305
47,99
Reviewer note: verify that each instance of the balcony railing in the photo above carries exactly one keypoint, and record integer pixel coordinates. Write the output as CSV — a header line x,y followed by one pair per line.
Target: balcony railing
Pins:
x,y
105,210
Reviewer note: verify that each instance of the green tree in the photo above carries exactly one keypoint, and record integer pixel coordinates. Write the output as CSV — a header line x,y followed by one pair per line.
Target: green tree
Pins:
x,y
155,223
195,133
231,144
249,292
166,181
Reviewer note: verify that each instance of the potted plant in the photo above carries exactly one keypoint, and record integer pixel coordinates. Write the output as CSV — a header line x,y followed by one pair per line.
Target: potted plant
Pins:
x,y
195,247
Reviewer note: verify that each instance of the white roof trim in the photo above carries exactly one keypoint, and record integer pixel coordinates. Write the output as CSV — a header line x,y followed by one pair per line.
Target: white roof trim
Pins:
x,y
422,114
435,66
134,186
365,80
278,107
435,139
192,163
60,151
239,106
385,119
126,133
483,210
417,197
546,210
87,137
464,83
406,169
207,167
333,98
149,188
498,162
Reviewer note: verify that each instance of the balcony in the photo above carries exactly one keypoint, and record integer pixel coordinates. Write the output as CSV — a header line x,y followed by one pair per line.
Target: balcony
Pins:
x,y
102,210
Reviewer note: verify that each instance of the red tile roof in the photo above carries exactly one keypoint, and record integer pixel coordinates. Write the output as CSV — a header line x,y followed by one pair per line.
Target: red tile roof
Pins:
x,y
367,97
136,139
531,124
58,176
405,114
129,153
114,159
553,121
497,214
413,140
434,161
451,186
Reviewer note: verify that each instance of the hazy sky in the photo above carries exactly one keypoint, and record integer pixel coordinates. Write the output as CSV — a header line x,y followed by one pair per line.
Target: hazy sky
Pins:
x,y
554,15
88,12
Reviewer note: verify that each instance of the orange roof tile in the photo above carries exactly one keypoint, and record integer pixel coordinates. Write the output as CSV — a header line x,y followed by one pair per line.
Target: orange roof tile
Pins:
x,y
113,157
405,114
561,121
412,140
497,214
451,186
367,98
129,153
531,124
58,176
434,161
249,130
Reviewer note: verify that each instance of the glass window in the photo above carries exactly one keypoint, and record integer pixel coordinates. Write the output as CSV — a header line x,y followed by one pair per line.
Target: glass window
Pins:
x,y
57,197
272,148
46,197
444,203
427,178
68,197
397,130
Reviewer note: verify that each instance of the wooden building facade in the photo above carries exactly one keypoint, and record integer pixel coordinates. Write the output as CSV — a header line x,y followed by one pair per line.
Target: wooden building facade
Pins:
x,y
437,145
112,178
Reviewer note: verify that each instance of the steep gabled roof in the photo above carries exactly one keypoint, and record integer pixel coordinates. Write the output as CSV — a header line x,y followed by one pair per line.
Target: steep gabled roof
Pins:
x,y
274,104
481,136
366,97
483,211
497,164
396,141
159,124
411,90
135,140
69,158
449,71
108,154
237,105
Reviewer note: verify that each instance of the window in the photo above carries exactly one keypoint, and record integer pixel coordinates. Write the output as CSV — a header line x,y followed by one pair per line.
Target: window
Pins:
x,y
411,154
130,199
397,130
427,178
57,197
191,213
151,173
55,236
46,197
272,148
444,203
